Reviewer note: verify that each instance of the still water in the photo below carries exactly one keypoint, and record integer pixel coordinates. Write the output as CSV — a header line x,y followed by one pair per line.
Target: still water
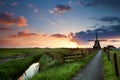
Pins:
x,y
32,70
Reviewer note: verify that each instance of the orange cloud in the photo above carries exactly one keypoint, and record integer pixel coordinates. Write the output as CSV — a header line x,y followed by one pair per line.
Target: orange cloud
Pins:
x,y
8,20
25,33
6,28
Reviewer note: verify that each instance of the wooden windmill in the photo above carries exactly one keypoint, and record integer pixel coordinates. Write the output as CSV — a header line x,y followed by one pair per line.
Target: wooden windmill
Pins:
x,y
97,42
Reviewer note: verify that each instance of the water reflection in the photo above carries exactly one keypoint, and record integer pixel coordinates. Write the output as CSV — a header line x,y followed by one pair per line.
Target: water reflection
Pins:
x,y
33,69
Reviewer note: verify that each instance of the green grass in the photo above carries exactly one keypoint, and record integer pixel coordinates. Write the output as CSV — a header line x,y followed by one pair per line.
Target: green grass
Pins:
x,y
11,69
109,71
6,52
63,72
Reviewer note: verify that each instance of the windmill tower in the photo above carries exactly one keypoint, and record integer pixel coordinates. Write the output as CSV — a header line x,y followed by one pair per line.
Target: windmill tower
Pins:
x,y
96,42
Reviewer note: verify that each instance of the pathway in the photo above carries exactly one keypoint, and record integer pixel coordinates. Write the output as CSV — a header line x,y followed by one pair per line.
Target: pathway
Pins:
x,y
93,70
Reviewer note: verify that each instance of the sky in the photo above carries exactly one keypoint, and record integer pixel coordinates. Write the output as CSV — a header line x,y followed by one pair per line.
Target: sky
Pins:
x,y
58,23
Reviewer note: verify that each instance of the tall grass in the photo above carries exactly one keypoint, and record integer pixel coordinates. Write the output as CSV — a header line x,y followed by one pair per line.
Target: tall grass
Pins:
x,y
10,70
109,71
63,72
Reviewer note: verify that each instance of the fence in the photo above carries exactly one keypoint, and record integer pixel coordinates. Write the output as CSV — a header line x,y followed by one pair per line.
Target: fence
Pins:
x,y
75,54
114,58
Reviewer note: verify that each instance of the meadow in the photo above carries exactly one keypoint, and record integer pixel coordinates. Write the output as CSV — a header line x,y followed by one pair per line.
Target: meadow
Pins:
x,y
50,62
9,52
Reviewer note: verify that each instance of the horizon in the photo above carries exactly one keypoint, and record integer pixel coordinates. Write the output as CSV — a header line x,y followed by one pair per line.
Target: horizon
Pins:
x,y
58,23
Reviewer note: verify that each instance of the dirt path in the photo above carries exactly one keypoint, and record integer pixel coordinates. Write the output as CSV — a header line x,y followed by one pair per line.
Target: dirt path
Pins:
x,y
93,70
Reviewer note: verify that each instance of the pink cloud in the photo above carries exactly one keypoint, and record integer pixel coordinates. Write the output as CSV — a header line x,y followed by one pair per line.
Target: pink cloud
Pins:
x,y
24,33
14,3
6,28
30,5
9,19
36,10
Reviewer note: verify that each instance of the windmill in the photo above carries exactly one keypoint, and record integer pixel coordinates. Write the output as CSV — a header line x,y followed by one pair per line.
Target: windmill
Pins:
x,y
97,42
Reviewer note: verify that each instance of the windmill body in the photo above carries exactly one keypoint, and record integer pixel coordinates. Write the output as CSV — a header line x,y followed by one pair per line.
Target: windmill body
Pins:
x,y
96,42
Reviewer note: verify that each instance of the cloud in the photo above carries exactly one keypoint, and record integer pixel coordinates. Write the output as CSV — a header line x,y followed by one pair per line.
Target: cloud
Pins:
x,y
4,42
2,3
7,19
110,19
30,5
25,33
36,10
114,40
111,31
60,9
51,11
114,4
59,36
6,28
14,3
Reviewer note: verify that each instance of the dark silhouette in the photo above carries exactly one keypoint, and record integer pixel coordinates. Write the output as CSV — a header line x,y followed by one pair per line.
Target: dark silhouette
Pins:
x,y
97,42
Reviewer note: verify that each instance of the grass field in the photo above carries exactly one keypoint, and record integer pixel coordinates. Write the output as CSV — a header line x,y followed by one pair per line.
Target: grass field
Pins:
x,y
14,51
10,69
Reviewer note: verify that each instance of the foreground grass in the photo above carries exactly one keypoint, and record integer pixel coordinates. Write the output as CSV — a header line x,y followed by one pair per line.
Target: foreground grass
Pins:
x,y
10,70
109,72
63,72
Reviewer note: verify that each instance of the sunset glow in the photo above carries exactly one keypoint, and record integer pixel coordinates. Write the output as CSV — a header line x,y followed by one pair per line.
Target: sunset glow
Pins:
x,y
59,23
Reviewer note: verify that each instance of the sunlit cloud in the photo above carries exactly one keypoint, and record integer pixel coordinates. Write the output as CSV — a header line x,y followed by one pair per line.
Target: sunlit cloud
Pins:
x,y
59,36
51,11
6,28
9,20
24,33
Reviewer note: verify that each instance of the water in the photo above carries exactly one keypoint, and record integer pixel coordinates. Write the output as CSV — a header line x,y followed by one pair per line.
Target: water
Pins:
x,y
32,70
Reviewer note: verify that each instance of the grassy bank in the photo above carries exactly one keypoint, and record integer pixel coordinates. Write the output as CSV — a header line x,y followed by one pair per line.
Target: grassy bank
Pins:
x,y
109,71
10,70
63,72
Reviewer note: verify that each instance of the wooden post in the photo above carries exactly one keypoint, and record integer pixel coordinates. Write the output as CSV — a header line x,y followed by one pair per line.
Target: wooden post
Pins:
x,y
108,53
83,55
116,65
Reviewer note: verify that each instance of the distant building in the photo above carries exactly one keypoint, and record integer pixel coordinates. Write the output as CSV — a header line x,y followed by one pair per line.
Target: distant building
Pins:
x,y
111,47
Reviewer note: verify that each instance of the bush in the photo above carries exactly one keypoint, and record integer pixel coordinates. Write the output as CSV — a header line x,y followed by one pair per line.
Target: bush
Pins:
x,y
46,62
